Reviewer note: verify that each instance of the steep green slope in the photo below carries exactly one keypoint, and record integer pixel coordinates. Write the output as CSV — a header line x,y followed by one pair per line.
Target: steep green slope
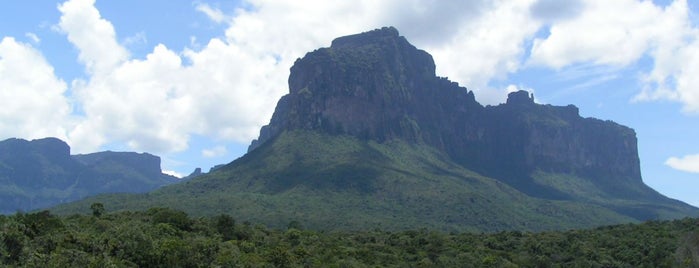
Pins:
x,y
640,201
341,182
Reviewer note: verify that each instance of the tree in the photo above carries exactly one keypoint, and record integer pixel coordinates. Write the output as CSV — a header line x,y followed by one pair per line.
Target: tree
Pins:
x,y
225,225
687,253
97,209
12,241
294,225
176,218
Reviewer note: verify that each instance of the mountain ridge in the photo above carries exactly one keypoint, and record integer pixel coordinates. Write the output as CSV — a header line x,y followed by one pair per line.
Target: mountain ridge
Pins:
x,y
42,173
369,136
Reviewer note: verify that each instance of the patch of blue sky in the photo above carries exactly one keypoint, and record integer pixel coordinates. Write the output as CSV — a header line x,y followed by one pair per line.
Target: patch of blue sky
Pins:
x,y
22,19
186,161
141,25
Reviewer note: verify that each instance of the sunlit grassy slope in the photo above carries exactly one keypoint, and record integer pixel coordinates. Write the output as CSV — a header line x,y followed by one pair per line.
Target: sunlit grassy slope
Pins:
x,y
340,182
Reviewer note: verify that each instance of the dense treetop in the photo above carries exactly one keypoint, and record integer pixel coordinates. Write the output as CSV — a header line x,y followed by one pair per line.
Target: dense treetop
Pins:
x,y
161,237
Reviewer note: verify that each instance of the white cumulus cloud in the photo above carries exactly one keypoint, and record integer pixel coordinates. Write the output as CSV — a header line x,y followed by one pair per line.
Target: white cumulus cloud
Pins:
x,y
94,36
31,96
155,104
600,35
688,163
487,47
173,173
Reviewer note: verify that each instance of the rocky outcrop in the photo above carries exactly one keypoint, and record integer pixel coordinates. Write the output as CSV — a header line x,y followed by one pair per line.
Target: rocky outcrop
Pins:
x,y
45,162
196,173
373,85
40,173
521,137
557,139
143,163
377,86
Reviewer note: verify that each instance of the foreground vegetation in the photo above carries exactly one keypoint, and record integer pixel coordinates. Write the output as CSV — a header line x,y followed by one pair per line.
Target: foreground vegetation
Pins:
x,y
161,237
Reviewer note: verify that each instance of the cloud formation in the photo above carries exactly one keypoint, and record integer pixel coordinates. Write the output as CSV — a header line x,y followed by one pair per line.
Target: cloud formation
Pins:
x,y
601,36
598,35
232,83
31,96
688,163
94,36
214,14
556,10
217,151
227,87
33,37
155,104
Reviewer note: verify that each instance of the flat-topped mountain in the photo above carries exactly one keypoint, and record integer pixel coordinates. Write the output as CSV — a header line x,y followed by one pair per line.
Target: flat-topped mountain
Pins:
x,y
41,173
370,137
377,86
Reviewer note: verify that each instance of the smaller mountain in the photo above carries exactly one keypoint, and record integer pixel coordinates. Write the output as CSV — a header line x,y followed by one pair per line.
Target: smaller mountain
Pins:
x,y
196,173
42,173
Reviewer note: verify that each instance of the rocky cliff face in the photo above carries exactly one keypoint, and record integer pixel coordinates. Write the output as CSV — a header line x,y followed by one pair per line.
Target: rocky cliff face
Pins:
x,y
373,85
143,163
377,86
41,173
555,138
39,162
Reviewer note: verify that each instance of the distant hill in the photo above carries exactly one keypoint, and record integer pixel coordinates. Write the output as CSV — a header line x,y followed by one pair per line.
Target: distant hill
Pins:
x,y
42,173
369,137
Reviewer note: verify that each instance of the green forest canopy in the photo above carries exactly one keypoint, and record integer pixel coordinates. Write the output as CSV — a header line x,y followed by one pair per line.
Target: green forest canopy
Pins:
x,y
162,237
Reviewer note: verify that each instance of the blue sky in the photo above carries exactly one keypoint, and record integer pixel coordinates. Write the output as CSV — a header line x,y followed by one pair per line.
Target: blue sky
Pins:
x,y
192,81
